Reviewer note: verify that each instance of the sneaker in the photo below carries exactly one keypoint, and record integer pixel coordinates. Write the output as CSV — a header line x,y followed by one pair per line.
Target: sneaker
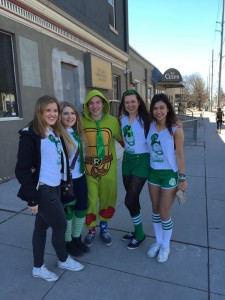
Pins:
x,y
129,236
89,239
163,255
73,250
105,236
153,250
134,244
44,273
77,242
70,264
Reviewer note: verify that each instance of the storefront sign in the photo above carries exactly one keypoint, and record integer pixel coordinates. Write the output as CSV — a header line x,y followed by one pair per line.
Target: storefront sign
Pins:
x,y
98,72
172,75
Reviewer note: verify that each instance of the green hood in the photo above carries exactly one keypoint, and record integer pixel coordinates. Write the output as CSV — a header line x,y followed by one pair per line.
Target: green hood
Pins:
x,y
89,96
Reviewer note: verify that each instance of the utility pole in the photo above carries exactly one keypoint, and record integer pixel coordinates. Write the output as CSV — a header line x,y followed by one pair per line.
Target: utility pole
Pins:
x,y
221,57
211,83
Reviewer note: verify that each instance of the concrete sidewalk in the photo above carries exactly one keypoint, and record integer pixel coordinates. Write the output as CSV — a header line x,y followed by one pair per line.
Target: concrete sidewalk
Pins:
x,y
196,266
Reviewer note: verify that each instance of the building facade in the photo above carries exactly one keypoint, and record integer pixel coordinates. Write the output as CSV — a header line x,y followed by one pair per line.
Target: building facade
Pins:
x,y
60,48
64,48
140,75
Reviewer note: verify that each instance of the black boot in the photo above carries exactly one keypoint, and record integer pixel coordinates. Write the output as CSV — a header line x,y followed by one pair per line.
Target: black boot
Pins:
x,y
73,250
80,245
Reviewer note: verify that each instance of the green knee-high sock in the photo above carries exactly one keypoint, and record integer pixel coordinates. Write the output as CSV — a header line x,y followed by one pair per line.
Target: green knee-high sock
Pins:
x,y
78,223
68,236
69,216
139,233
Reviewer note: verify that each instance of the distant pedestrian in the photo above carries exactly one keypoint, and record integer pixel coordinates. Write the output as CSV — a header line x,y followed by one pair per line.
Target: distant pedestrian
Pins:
x,y
167,171
219,119
76,210
135,121
41,164
100,130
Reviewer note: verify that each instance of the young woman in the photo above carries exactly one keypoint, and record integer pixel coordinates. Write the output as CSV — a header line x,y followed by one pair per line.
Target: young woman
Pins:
x,y
75,211
219,119
167,171
134,119
42,163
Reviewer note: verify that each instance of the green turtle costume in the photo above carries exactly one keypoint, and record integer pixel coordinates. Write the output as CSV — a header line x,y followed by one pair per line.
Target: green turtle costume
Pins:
x,y
100,162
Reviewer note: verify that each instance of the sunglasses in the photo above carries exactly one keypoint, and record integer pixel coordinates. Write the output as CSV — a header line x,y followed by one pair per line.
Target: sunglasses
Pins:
x,y
130,92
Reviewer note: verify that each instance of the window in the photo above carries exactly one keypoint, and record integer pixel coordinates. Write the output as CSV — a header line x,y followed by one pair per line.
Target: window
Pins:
x,y
149,94
114,96
137,86
112,13
8,97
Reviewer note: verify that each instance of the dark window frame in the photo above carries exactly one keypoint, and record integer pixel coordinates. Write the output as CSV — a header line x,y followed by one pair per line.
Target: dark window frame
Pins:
x,y
9,104
112,13
114,96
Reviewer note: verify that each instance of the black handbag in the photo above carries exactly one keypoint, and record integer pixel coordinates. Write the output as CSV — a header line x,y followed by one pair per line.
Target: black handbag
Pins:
x,y
67,190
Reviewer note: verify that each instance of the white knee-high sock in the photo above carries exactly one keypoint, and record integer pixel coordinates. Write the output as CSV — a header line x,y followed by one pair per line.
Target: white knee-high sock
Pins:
x,y
167,227
157,225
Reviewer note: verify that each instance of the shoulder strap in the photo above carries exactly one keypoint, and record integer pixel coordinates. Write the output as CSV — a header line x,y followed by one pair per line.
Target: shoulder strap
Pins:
x,y
74,160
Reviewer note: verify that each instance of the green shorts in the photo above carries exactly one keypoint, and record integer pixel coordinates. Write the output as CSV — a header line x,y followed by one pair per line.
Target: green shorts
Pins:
x,y
136,164
166,179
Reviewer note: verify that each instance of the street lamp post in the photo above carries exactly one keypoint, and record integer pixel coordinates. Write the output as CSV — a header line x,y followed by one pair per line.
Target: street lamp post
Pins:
x,y
221,57
211,96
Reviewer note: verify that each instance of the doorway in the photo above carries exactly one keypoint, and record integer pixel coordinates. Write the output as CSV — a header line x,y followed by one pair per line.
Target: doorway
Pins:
x,y
70,85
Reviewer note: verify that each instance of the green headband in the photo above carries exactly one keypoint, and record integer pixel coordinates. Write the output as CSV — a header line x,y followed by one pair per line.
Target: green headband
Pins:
x,y
130,92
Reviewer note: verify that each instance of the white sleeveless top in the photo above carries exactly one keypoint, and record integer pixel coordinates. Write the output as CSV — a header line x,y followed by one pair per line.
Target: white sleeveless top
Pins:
x,y
50,171
133,136
161,149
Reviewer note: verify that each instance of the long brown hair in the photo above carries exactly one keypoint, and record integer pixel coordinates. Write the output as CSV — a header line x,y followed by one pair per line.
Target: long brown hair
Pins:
x,y
171,117
143,113
40,126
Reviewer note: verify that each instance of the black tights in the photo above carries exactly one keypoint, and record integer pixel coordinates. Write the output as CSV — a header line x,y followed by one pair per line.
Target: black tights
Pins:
x,y
50,214
133,186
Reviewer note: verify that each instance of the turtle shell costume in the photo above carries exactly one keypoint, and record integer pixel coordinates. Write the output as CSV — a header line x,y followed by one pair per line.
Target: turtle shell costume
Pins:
x,y
100,162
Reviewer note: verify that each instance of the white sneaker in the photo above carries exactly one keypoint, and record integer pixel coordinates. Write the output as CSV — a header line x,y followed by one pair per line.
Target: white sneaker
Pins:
x,y
44,273
70,264
153,250
163,255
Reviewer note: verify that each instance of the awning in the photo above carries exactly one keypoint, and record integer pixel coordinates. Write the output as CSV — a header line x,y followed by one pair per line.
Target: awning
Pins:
x,y
169,85
170,79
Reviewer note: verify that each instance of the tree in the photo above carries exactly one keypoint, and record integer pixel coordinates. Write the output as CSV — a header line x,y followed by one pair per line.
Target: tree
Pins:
x,y
195,91
222,97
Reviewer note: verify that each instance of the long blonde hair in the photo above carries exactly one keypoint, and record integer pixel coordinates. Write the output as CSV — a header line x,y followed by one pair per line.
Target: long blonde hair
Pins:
x,y
77,127
40,126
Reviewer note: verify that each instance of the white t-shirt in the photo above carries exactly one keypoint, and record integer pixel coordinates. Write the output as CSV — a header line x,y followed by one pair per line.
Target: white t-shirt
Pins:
x,y
161,149
76,171
50,171
133,136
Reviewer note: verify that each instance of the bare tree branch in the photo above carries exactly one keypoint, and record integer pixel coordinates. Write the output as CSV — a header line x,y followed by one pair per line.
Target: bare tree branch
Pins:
x,y
195,90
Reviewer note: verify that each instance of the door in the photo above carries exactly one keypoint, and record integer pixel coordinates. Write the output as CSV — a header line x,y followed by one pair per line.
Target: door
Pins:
x,y
69,84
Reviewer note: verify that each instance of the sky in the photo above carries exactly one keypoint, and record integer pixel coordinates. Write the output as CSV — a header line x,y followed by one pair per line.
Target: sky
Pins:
x,y
178,34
